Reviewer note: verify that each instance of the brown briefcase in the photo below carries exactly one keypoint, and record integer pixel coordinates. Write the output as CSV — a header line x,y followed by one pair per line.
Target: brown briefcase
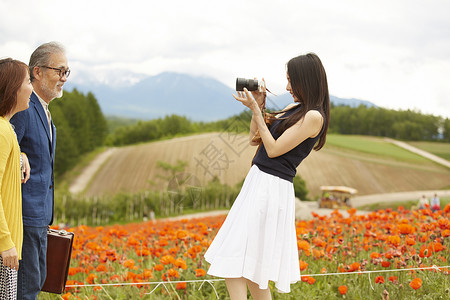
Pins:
x,y
59,250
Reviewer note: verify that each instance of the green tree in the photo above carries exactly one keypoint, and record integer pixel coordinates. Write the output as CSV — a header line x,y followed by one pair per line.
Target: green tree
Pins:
x,y
80,128
300,189
446,130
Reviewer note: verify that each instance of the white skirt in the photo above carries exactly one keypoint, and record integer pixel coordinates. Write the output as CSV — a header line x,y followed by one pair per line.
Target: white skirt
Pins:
x,y
258,241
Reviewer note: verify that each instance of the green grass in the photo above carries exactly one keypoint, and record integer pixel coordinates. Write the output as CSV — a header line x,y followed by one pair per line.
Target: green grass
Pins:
x,y
394,205
63,181
373,145
439,149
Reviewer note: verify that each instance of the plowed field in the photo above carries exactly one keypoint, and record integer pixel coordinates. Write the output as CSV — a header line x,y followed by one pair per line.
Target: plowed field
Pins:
x,y
227,157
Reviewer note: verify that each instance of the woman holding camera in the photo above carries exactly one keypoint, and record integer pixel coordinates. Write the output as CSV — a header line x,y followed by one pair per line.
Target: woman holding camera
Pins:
x,y
15,91
257,243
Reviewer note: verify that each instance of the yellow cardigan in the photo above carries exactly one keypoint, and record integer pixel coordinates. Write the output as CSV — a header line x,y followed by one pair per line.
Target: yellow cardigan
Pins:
x,y
11,226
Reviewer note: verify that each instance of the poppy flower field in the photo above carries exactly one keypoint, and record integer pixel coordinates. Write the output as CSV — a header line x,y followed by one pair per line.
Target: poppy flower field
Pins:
x,y
372,256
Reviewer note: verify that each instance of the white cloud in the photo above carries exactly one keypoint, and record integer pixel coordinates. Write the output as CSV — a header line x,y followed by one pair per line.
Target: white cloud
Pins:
x,y
393,53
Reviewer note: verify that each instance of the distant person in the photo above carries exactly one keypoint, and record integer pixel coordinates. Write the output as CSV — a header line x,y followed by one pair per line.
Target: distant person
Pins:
x,y
423,202
37,138
347,202
15,91
152,216
257,242
435,203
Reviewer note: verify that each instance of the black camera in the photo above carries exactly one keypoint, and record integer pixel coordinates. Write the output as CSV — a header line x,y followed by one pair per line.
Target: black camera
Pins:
x,y
250,84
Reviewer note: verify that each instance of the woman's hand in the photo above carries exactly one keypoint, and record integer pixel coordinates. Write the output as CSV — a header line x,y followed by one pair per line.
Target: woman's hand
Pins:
x,y
25,167
10,258
260,95
247,99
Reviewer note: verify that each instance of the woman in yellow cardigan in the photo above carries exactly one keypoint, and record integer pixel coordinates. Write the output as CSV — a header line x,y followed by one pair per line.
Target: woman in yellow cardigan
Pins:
x,y
15,91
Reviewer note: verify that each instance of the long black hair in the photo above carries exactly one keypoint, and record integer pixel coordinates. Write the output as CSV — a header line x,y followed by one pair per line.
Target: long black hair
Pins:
x,y
309,85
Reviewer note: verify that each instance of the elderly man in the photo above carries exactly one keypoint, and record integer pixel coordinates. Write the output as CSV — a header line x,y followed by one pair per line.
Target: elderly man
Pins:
x,y
37,136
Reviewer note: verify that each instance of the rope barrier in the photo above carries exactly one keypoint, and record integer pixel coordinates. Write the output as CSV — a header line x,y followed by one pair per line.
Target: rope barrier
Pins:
x,y
163,283
381,271
138,283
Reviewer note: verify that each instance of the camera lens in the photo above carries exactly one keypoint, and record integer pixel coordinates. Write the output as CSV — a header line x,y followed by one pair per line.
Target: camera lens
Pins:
x,y
250,84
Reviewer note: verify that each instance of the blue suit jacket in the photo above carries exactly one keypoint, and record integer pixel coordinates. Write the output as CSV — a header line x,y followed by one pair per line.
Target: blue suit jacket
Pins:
x,y
33,134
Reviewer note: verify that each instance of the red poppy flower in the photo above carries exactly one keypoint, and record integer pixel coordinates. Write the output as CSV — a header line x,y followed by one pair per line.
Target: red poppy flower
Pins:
x,y
385,264
379,279
393,279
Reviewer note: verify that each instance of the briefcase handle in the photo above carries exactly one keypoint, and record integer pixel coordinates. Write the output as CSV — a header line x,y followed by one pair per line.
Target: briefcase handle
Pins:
x,y
58,231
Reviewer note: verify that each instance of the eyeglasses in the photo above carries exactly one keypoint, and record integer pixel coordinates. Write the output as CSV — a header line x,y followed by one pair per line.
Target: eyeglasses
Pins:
x,y
61,71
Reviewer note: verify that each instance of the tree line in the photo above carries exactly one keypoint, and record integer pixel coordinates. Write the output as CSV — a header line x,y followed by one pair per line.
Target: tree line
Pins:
x,y
405,125
80,128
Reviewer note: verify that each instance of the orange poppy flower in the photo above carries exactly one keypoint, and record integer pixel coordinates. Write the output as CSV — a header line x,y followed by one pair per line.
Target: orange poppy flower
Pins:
x,y
182,234
311,280
159,267
319,243
131,276
303,265
354,267
180,263
447,209
351,211
435,247
181,286
200,272
405,228
73,271
115,277
147,274
129,263
394,240
410,241
304,245
375,255
343,289
424,252
163,242
67,296
90,279
167,259
101,268
416,283
173,273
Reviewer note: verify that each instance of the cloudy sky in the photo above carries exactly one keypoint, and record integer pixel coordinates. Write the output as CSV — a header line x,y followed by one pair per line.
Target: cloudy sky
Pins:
x,y
395,54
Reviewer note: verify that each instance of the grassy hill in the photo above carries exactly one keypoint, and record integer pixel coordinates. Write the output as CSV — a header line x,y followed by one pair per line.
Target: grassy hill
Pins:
x,y
368,164
439,149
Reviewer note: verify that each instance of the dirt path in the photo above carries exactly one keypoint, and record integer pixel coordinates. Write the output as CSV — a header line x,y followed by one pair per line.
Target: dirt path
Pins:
x,y
423,153
81,182
396,197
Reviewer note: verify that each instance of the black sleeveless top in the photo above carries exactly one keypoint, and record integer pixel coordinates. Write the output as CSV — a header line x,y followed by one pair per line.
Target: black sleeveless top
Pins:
x,y
284,166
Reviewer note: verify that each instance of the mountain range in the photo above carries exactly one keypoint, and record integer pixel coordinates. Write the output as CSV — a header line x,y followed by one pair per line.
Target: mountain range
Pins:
x,y
197,98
